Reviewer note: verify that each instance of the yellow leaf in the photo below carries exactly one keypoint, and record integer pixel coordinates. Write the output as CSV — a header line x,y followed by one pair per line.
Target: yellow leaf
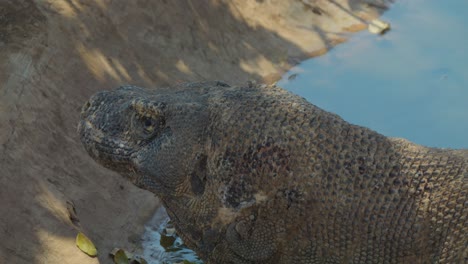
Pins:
x,y
120,257
143,261
138,260
85,244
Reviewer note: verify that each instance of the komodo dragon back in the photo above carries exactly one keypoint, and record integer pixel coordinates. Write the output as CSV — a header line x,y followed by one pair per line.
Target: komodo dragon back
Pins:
x,y
256,174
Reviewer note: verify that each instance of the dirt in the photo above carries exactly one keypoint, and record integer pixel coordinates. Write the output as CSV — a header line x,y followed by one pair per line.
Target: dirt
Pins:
x,y
54,54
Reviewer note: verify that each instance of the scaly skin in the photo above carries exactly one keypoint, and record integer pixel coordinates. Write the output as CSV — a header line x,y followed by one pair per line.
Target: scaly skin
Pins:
x,y
259,175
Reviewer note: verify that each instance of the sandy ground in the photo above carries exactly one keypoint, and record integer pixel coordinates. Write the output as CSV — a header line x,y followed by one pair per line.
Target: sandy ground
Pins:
x,y
54,54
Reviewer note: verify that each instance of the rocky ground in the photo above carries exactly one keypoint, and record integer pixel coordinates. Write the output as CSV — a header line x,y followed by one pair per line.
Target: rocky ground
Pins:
x,y
54,54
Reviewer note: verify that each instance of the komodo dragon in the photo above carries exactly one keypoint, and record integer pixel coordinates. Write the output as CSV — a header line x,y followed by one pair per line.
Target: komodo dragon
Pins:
x,y
258,175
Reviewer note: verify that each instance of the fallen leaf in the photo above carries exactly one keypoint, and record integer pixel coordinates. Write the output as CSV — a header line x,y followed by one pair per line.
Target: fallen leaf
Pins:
x,y
115,250
120,257
85,245
138,260
143,261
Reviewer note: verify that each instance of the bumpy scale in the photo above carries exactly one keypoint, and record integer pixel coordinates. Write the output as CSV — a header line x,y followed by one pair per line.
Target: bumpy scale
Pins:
x,y
259,175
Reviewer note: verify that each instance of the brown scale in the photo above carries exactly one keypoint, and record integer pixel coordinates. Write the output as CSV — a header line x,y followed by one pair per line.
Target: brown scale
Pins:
x,y
274,179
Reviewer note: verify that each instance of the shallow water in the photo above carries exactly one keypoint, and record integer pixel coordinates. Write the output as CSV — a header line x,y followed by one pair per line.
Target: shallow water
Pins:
x,y
410,82
155,252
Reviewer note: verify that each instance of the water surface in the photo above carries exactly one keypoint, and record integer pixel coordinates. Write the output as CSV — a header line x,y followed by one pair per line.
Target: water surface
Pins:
x,y
157,249
410,82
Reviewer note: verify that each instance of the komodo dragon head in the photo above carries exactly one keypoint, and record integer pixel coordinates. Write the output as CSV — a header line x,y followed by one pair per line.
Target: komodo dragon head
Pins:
x,y
147,136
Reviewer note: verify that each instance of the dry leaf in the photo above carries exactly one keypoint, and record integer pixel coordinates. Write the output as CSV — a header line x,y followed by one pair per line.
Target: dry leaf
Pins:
x,y
120,257
142,261
85,244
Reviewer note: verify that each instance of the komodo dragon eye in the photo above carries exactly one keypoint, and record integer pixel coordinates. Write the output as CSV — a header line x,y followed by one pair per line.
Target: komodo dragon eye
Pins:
x,y
148,118
151,124
148,123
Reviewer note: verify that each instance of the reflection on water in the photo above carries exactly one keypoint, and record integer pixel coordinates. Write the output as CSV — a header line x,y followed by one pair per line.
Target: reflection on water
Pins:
x,y
410,83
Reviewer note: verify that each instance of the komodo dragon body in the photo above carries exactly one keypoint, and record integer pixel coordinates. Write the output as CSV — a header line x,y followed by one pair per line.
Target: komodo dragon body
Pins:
x,y
259,175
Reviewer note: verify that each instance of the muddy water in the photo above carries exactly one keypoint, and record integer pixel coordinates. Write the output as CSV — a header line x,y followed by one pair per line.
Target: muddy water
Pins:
x,y
410,82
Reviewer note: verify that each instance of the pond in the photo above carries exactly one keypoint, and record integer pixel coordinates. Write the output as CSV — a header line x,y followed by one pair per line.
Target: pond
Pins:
x,y
410,83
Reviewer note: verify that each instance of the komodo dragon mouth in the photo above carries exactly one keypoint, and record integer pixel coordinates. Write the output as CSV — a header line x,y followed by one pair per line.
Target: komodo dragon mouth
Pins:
x,y
103,148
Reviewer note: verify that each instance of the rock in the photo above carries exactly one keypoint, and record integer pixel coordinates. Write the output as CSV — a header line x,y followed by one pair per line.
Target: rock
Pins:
x,y
378,26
